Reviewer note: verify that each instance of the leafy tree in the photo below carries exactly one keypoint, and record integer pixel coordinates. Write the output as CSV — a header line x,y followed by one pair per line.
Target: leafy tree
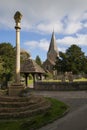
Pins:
x,y
75,58
61,62
1,67
84,64
58,65
38,60
72,60
7,54
24,55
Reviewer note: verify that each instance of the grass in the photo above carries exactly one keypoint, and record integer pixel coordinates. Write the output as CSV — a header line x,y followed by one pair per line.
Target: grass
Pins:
x,y
30,82
75,80
56,111
80,80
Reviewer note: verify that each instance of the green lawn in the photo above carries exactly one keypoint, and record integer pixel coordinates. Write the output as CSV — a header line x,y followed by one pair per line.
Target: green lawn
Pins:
x,y
30,82
32,123
81,79
75,80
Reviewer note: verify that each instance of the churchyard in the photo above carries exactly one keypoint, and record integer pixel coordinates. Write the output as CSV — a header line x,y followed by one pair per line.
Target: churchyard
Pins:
x,y
22,108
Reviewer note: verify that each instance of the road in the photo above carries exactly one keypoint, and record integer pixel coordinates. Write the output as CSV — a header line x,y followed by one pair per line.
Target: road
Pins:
x,y
76,119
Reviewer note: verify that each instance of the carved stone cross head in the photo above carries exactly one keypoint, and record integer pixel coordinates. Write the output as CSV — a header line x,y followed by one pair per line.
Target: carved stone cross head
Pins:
x,y
17,17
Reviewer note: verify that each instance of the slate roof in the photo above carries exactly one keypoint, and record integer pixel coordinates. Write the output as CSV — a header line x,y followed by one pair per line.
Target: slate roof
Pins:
x,y
30,66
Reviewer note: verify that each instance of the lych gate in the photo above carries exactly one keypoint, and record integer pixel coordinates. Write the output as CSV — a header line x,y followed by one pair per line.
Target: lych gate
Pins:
x,y
31,67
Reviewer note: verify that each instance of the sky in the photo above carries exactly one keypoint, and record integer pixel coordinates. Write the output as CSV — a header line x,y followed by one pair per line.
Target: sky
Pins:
x,y
67,18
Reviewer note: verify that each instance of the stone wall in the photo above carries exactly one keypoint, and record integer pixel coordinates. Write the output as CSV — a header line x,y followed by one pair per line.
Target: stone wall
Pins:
x,y
60,86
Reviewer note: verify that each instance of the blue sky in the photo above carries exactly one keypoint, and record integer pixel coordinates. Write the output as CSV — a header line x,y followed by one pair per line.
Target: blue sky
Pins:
x,y
68,19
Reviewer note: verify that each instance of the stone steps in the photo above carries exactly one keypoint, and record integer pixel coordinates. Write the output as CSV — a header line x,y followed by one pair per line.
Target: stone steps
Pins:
x,y
18,99
23,107
18,109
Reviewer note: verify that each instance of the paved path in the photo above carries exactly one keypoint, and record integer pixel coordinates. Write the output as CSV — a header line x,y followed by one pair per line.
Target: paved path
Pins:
x,y
76,119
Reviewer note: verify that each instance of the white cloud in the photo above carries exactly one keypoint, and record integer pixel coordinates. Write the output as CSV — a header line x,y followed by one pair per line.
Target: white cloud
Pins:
x,y
49,27
44,44
31,44
65,42
46,12
84,15
62,49
73,27
41,44
66,17
78,40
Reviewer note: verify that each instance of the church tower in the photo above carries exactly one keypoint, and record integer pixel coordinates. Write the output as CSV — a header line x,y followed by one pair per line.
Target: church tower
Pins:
x,y
52,54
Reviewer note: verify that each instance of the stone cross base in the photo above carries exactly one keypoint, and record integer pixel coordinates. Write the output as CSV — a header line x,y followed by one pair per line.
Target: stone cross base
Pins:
x,y
15,89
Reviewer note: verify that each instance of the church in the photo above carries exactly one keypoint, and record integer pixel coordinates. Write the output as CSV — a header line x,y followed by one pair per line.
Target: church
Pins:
x,y
52,54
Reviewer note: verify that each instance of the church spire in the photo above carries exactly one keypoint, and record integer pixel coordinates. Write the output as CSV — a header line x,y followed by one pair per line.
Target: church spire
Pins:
x,y
53,50
53,45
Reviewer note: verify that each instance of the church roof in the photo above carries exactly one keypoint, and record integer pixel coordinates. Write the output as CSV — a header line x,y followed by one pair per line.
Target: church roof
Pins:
x,y
53,45
30,66
52,53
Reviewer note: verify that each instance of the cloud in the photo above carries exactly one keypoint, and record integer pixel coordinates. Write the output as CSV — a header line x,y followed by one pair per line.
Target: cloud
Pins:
x,y
73,27
69,40
44,15
68,18
41,44
49,27
62,49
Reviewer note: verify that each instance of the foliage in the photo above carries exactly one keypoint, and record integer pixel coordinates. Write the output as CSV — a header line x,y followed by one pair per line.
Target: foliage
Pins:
x,y
56,111
24,55
1,67
48,76
72,60
38,60
7,62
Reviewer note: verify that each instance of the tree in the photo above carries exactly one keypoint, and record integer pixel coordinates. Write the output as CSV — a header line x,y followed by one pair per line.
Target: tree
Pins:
x,y
72,60
7,54
1,68
24,55
75,58
84,64
61,62
38,60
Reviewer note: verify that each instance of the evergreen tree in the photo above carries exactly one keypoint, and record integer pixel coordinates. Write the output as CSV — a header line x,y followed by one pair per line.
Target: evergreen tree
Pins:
x,y
38,60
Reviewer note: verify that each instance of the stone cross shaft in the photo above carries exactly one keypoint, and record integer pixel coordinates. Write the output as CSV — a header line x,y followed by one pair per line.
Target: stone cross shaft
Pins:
x,y
17,18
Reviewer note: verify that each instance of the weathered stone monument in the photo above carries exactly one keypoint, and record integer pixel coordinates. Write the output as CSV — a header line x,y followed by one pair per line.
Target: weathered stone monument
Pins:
x,y
16,107
17,18
16,87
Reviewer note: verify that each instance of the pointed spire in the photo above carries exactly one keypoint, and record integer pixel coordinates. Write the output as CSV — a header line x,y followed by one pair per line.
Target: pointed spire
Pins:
x,y
53,45
53,50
